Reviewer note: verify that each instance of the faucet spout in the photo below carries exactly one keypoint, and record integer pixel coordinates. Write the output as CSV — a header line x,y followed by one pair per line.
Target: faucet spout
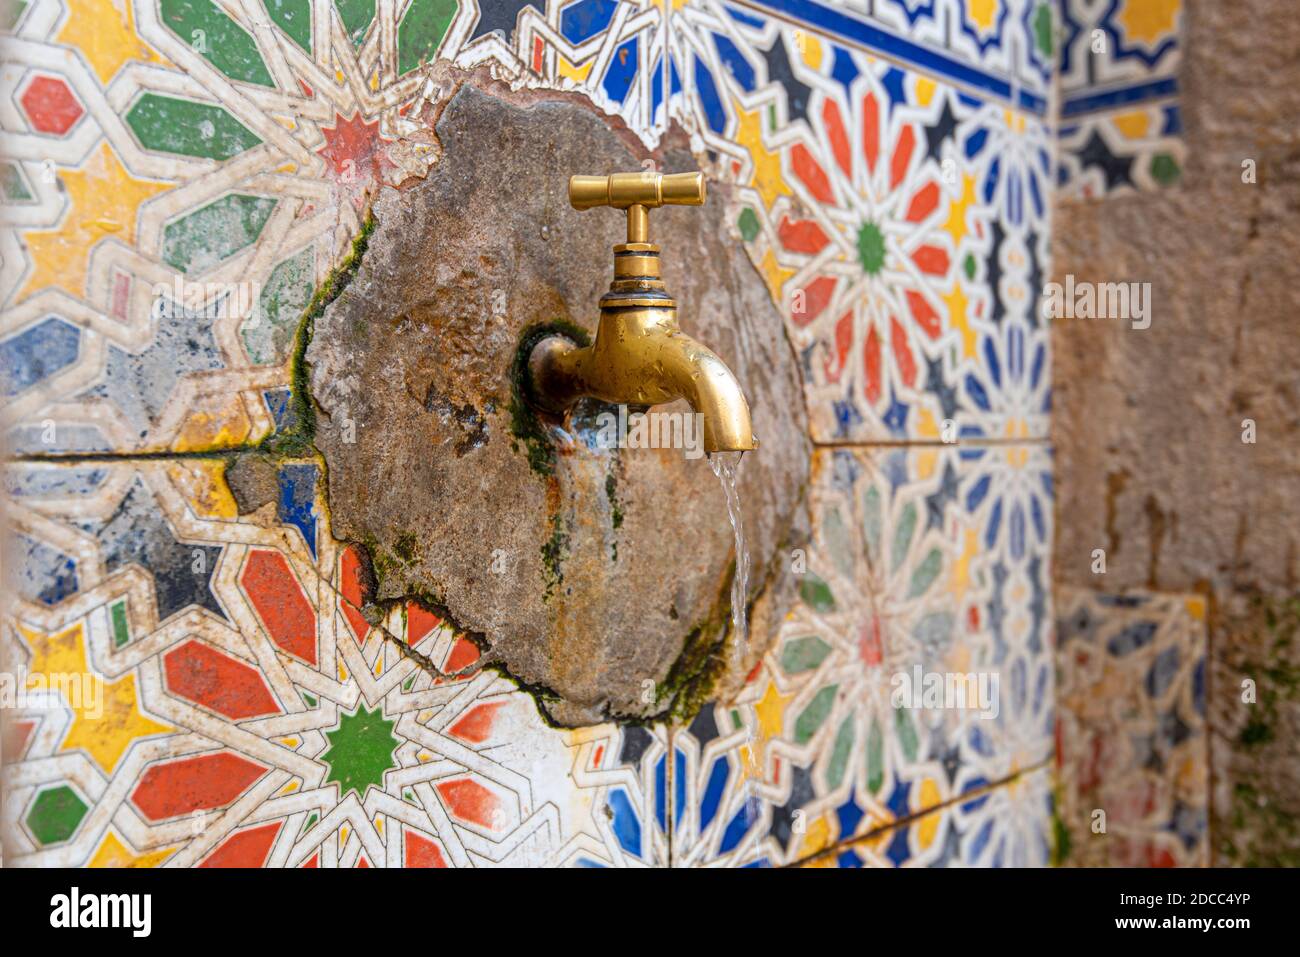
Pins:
x,y
712,390
630,364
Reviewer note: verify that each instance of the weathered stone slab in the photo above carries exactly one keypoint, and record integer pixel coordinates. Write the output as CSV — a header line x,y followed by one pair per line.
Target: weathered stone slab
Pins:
x,y
597,577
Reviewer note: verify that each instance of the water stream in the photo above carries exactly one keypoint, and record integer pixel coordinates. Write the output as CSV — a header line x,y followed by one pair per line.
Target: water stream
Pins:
x,y
725,465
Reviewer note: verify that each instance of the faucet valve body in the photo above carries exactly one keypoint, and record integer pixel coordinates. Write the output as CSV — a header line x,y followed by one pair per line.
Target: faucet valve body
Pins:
x,y
640,356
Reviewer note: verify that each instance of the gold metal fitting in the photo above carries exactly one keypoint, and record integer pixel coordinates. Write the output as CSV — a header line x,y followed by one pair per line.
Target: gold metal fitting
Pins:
x,y
640,356
622,190
637,193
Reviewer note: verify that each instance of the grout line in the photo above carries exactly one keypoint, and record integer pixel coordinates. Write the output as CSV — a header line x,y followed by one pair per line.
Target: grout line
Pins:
x,y
1043,440
911,818
163,455
166,455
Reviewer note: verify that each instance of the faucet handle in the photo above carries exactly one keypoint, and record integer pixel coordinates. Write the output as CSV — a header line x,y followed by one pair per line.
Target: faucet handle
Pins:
x,y
637,193
623,190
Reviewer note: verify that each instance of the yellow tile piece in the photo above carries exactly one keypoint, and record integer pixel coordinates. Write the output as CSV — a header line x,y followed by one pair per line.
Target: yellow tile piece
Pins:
x,y
925,89
113,853
104,33
957,303
817,838
204,486
767,178
578,74
775,275
1135,124
105,723
959,577
810,48
983,13
1149,21
103,200
955,225
215,422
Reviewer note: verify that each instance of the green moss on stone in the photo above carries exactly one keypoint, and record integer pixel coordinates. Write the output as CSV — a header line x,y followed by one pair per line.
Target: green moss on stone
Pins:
x,y
406,547
298,439
611,493
554,551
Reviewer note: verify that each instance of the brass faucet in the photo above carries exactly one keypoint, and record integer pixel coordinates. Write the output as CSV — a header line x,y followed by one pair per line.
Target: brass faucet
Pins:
x,y
640,356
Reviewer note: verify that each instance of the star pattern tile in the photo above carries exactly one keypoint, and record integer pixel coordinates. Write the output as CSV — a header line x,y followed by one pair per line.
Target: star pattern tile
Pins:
x,y
328,743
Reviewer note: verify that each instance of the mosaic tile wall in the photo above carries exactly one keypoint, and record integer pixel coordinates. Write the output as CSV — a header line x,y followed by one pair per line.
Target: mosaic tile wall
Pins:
x,y
1133,758
1121,127
894,162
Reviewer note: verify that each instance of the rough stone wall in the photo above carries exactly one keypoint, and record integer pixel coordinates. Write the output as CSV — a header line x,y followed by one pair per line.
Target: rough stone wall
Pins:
x,y
1148,424
585,570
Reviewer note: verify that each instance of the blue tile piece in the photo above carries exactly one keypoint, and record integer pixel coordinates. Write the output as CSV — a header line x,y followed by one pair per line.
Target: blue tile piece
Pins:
x,y
1124,96
899,850
738,827
893,82
661,792
740,69
627,828
37,353
713,791
850,815
707,89
900,800
36,481
1135,636
844,70
141,383
749,20
583,20
679,787
1173,121
40,572
280,404
895,417
297,504
656,87
622,70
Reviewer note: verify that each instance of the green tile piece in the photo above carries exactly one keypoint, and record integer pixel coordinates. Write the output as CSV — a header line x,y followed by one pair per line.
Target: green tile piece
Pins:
x,y
55,815
357,16
121,631
422,30
215,232
270,329
172,125
294,18
217,38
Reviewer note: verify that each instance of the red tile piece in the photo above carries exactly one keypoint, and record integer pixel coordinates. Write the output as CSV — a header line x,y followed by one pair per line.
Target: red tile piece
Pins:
x,y
217,681
280,603
200,783
247,848
51,107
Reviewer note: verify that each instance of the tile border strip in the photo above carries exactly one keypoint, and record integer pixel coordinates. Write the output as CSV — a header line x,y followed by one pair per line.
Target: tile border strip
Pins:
x,y
878,40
